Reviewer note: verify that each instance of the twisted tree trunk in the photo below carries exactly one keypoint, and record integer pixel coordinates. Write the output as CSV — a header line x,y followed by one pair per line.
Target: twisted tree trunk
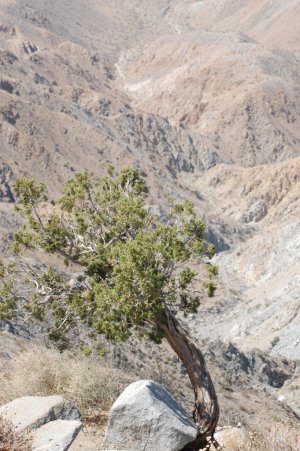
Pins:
x,y
206,410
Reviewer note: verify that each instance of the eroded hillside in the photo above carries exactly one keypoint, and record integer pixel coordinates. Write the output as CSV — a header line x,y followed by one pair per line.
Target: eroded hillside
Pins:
x,y
203,97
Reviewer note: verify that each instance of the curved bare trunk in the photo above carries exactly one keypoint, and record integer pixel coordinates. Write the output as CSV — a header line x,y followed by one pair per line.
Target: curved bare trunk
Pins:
x,y
206,410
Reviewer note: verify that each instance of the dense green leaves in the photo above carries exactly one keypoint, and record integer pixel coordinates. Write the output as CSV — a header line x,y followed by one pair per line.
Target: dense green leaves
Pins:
x,y
131,264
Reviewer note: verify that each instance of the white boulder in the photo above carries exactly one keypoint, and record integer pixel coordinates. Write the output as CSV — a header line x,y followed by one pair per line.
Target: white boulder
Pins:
x,y
146,417
31,412
56,435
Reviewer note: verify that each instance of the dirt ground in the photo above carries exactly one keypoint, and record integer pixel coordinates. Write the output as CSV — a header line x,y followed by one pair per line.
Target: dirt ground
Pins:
x,y
91,437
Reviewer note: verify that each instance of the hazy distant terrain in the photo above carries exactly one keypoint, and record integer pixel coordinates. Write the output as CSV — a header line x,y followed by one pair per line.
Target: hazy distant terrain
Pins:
x,y
203,97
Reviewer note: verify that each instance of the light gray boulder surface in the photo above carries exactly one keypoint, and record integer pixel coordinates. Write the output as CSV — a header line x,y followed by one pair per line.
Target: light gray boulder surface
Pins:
x,y
31,412
145,416
56,435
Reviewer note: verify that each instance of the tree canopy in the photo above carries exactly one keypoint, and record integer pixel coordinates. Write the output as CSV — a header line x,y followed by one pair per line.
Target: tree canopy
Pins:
x,y
132,264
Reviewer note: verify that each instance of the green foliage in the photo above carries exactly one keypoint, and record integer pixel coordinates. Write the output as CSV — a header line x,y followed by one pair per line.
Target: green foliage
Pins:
x,y
212,269
85,351
132,266
210,287
211,250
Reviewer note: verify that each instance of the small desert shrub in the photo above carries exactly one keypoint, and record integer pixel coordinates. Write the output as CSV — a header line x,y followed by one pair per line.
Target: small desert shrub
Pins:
x,y
44,372
11,440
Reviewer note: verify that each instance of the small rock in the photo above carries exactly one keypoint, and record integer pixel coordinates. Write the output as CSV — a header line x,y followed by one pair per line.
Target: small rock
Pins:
x,y
29,47
255,213
31,412
233,439
146,417
56,435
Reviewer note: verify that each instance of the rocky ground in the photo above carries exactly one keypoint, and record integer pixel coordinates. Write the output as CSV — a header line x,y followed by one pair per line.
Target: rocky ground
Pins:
x,y
203,97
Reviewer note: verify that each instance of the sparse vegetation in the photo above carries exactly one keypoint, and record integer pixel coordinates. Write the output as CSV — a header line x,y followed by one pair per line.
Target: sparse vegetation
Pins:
x,y
91,385
11,440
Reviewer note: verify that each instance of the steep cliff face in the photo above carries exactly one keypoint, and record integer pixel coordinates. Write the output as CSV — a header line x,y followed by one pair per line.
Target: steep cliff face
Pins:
x,y
203,97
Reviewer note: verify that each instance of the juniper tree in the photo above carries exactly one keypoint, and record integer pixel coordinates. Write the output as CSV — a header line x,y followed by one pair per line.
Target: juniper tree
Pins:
x,y
136,271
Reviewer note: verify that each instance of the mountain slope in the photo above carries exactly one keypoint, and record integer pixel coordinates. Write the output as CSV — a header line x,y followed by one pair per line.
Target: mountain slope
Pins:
x,y
204,98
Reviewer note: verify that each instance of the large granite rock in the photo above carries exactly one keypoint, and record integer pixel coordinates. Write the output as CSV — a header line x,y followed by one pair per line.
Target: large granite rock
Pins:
x,y
56,435
31,412
146,417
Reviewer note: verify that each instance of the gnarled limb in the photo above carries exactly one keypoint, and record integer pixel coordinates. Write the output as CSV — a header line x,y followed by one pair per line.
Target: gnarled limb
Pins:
x,y
206,410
